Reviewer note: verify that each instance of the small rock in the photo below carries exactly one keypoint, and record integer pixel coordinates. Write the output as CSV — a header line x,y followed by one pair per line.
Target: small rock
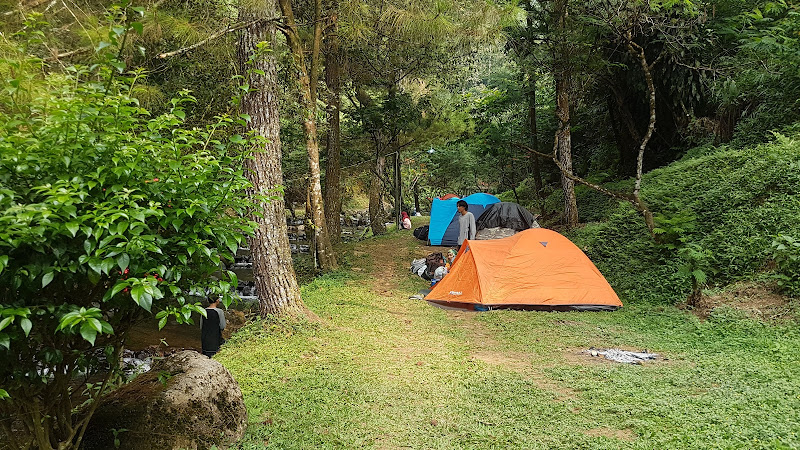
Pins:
x,y
594,353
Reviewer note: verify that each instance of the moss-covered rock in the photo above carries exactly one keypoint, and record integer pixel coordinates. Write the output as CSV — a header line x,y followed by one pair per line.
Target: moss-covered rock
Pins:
x,y
186,401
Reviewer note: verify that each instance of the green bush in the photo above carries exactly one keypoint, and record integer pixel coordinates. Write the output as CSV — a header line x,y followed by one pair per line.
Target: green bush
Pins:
x,y
107,215
786,253
739,199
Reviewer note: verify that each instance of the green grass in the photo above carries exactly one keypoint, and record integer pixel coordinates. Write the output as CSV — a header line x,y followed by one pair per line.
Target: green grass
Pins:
x,y
379,370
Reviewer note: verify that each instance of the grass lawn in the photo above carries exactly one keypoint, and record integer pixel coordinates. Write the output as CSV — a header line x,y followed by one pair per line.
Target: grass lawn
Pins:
x,y
380,370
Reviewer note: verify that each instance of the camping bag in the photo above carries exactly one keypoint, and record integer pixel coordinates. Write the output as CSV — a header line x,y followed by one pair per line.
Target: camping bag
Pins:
x,y
421,233
416,265
433,261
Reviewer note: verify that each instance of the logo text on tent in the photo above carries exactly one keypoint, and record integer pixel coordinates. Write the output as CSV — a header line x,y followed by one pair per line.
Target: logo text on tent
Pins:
x,y
455,292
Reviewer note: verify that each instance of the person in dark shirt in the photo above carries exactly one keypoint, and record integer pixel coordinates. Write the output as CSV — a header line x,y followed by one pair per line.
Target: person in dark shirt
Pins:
x,y
211,328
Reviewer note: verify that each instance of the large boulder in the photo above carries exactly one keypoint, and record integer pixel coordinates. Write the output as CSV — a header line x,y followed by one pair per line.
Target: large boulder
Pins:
x,y
186,401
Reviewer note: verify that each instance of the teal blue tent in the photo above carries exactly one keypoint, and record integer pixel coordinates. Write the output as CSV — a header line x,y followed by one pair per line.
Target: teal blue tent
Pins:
x,y
444,223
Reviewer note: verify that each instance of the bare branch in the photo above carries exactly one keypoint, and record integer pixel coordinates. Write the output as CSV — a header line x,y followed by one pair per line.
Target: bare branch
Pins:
x,y
216,35
78,51
575,178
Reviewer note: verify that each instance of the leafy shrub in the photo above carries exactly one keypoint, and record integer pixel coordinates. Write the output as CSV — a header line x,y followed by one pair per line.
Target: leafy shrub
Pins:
x,y
593,206
107,216
739,199
786,253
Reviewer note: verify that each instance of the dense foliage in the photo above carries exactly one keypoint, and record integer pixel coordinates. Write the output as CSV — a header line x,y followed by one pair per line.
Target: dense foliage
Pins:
x,y
107,215
729,204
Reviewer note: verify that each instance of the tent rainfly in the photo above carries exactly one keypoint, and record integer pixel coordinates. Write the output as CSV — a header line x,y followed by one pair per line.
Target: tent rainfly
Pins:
x,y
533,269
506,215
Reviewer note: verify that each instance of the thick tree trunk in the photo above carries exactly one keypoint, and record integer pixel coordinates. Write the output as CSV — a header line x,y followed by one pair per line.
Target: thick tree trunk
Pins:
x,y
275,279
624,125
307,100
327,259
563,136
564,152
333,175
376,215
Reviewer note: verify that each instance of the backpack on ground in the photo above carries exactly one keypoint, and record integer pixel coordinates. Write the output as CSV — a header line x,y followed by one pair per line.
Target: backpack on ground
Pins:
x,y
433,262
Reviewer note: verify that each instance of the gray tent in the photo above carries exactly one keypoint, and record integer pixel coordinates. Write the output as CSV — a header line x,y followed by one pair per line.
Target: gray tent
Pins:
x,y
504,219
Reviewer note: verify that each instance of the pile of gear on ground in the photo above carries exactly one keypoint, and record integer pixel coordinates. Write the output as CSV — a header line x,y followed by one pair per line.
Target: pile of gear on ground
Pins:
x,y
434,266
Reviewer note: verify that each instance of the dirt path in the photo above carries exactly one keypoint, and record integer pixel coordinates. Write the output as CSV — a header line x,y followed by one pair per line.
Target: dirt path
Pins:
x,y
389,275
392,260
390,270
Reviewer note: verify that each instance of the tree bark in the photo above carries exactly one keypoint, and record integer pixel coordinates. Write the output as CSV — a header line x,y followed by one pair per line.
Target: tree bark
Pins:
x,y
376,215
307,100
536,165
275,279
333,175
416,197
647,68
398,190
563,135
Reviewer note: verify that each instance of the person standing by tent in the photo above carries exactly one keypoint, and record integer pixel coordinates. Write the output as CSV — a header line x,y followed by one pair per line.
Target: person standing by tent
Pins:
x,y
466,222
211,327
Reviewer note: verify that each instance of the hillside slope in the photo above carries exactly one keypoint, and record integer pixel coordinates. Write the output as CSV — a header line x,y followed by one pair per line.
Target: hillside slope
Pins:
x,y
730,203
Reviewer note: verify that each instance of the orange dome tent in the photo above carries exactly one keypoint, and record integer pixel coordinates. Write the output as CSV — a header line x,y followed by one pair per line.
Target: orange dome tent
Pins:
x,y
534,269
448,196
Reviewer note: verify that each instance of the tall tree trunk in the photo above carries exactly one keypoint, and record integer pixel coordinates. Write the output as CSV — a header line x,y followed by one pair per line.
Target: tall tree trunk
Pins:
x,y
563,135
333,175
274,275
564,151
307,100
536,165
416,197
376,216
647,69
398,190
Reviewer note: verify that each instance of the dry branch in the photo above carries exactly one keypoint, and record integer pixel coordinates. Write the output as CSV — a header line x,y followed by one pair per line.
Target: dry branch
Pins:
x,y
77,51
216,35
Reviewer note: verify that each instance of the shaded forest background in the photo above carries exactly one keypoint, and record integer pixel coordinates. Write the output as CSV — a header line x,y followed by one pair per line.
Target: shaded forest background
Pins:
x,y
464,82
659,135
